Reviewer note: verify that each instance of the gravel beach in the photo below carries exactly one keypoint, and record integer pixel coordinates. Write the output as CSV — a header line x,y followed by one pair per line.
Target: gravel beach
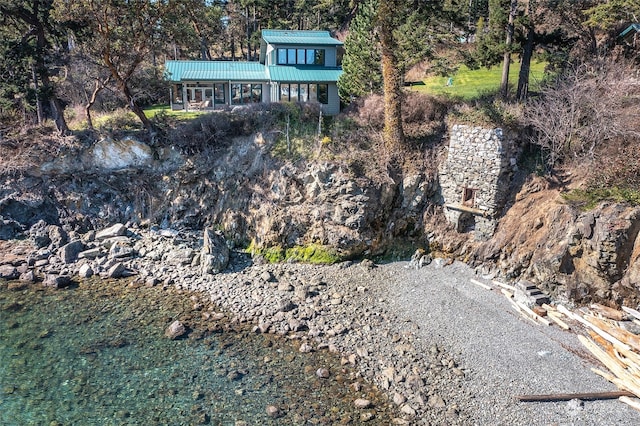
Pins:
x,y
445,350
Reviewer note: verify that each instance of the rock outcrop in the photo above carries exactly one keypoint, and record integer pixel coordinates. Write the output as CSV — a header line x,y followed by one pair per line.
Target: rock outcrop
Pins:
x,y
583,256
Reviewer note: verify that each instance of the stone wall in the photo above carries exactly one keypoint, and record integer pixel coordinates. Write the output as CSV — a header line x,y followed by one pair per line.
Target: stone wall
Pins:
x,y
475,177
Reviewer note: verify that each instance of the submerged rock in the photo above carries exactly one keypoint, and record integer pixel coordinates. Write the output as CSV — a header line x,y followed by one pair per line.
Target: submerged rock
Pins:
x,y
8,272
175,330
57,281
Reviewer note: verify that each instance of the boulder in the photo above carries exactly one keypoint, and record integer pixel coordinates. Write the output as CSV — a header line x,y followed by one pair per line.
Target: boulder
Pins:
x,y
28,277
85,271
68,253
116,230
57,236
8,272
92,253
39,234
9,229
120,249
121,154
214,256
116,271
175,330
57,281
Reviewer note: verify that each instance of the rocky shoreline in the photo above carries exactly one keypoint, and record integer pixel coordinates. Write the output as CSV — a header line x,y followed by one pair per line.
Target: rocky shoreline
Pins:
x,y
444,351
320,307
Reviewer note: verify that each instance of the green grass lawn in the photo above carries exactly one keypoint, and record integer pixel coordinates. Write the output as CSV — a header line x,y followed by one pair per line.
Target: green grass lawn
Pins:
x,y
469,84
152,111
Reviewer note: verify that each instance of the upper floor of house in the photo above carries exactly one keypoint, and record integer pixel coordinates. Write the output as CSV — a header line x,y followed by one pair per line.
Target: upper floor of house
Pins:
x,y
296,47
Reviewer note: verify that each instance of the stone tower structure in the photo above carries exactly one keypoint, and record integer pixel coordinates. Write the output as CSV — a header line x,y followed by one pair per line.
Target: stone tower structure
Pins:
x,y
475,178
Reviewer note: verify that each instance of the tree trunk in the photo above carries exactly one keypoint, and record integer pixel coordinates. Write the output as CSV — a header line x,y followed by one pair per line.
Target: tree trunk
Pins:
x,y
393,133
135,108
525,66
58,115
36,89
57,108
506,62
94,95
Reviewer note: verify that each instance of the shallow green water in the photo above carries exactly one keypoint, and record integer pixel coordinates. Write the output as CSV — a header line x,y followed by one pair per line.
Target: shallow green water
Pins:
x,y
96,355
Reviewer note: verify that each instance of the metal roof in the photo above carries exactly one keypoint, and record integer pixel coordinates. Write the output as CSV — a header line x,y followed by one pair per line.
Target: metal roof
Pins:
x,y
178,71
300,37
215,71
304,73
632,27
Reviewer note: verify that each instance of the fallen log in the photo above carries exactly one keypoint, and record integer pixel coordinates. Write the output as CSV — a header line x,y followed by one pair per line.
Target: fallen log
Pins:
x,y
589,396
631,402
505,286
478,283
532,314
608,312
555,317
620,334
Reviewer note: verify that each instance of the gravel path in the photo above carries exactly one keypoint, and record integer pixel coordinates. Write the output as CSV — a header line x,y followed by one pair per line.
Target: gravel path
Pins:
x,y
502,353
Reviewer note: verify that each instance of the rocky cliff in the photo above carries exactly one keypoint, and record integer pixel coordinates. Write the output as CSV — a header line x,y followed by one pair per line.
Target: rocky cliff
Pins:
x,y
579,255
239,188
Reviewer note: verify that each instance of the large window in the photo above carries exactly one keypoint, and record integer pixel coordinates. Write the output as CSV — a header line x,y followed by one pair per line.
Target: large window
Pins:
x,y
300,56
219,94
304,92
245,93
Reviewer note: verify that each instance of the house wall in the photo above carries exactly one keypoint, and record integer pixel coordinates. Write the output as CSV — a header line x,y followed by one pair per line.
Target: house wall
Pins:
x,y
333,107
483,160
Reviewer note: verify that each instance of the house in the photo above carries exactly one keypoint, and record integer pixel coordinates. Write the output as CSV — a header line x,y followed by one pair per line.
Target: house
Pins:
x,y
631,35
294,66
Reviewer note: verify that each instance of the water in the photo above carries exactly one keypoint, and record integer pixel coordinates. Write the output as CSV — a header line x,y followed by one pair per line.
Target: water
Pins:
x,y
96,355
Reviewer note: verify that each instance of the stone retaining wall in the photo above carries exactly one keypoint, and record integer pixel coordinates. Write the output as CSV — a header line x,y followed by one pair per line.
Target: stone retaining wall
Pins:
x,y
475,177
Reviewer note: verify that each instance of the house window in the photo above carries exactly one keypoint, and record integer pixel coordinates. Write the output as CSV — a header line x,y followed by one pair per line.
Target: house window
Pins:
x,y
469,197
311,56
293,93
219,94
245,93
313,93
236,94
256,93
282,56
319,57
323,93
303,92
284,92
300,56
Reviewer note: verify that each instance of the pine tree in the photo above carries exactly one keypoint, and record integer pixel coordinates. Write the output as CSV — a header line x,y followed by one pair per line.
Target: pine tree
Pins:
x,y
361,62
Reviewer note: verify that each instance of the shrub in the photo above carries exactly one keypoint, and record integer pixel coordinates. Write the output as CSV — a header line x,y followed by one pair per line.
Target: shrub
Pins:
x,y
587,107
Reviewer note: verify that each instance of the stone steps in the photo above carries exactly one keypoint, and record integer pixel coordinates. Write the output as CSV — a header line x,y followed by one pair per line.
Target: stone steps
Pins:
x,y
527,293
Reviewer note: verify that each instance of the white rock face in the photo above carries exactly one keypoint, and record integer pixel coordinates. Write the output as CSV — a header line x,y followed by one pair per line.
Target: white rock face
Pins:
x,y
128,152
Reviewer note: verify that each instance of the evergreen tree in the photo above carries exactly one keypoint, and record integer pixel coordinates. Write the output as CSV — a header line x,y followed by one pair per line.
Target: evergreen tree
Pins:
x,y
361,61
31,46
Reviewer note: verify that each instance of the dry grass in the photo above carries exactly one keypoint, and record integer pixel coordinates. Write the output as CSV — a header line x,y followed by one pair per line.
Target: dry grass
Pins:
x,y
28,147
